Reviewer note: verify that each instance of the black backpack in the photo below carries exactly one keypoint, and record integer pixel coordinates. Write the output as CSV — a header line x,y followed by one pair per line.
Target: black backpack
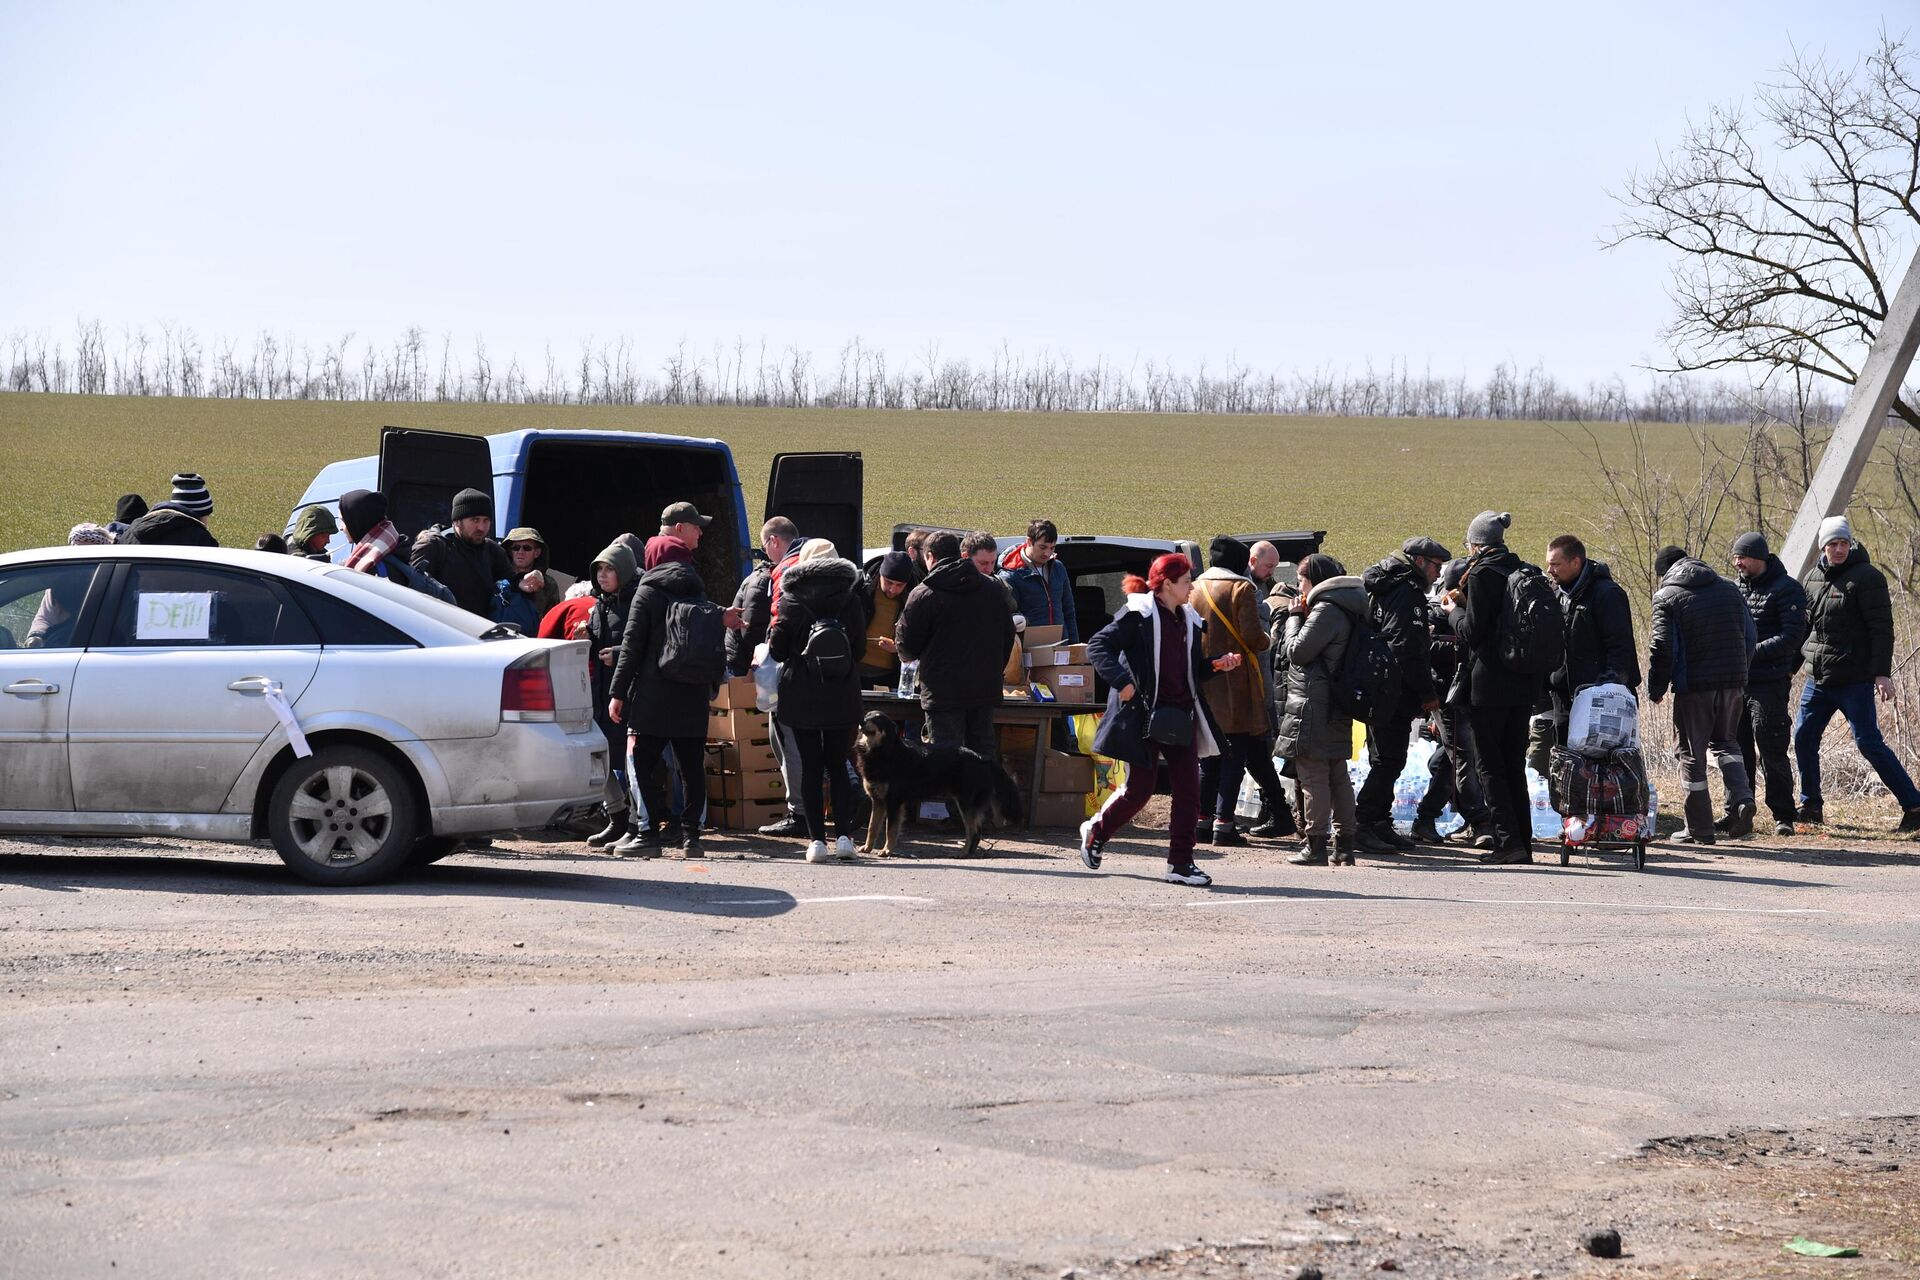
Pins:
x,y
693,643
1533,630
828,652
1368,683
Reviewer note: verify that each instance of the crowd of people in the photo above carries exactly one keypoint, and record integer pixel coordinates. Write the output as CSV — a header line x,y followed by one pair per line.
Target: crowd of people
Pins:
x,y
1212,675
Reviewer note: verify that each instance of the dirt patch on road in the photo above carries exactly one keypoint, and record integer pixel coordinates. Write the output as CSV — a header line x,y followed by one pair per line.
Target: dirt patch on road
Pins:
x,y
1707,1206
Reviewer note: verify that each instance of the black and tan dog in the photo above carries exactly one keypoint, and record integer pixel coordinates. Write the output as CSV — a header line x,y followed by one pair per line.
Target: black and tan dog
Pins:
x,y
898,775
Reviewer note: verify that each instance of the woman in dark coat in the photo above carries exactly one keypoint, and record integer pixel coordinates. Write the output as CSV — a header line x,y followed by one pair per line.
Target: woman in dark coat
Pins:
x,y
1153,655
615,579
820,695
657,711
1316,734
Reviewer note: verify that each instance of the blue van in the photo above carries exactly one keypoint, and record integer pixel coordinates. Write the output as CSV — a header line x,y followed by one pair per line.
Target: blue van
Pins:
x,y
581,489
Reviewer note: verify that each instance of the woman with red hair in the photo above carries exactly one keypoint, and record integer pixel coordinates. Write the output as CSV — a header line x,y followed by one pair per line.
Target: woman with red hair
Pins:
x,y
1153,659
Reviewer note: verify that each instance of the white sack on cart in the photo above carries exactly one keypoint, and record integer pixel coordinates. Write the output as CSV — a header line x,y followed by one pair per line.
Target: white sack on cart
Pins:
x,y
1603,718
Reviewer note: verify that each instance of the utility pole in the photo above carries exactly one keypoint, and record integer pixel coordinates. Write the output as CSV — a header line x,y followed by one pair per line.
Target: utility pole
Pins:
x,y
1859,427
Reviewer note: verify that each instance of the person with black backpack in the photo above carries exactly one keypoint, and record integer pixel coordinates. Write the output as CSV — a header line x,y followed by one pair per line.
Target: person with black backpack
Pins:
x,y
1316,725
1508,616
818,639
673,659
1397,603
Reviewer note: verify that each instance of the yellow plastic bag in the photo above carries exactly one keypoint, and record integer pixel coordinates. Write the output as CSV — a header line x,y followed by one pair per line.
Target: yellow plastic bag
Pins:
x,y
1108,775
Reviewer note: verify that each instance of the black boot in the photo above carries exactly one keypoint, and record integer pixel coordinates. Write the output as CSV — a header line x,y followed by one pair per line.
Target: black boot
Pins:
x,y
1314,855
1277,825
1226,836
1426,831
1369,840
1388,832
615,828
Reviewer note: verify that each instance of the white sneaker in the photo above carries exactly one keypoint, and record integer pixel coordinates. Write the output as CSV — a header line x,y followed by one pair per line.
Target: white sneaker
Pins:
x,y
817,851
843,848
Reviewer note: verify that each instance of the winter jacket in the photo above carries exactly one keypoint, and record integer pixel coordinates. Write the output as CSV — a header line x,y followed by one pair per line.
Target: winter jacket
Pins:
x,y
1703,636
1849,622
882,618
811,591
165,528
1267,605
1042,595
1779,608
1128,651
1237,699
1314,644
655,705
310,520
473,573
958,626
756,610
1600,647
607,624
1490,682
1397,602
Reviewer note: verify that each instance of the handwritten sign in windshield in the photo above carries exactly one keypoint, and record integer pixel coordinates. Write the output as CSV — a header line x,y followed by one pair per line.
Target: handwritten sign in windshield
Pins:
x,y
173,615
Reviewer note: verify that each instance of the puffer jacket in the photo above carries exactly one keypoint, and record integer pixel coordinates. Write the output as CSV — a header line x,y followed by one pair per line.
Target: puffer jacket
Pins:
x,y
1238,699
655,705
756,610
1703,636
810,591
1600,647
1779,608
1490,682
1398,595
958,624
165,527
1849,622
1128,651
1314,645
607,624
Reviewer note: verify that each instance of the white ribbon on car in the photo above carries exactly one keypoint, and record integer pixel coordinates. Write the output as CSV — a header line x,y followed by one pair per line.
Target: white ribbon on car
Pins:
x,y
283,710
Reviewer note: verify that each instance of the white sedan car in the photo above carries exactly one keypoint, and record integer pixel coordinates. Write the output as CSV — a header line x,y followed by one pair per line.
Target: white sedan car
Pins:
x,y
237,695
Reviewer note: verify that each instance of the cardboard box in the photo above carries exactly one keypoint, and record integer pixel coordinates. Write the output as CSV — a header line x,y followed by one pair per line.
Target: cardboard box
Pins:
x,y
1069,684
1057,809
722,787
1065,772
738,726
1040,637
741,757
1055,655
737,694
744,815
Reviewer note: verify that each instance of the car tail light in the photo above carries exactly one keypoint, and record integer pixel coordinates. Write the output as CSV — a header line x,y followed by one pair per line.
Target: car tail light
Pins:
x,y
526,689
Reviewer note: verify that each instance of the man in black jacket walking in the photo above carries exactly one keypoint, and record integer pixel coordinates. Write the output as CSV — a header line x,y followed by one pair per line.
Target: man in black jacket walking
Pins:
x,y
1397,603
1703,640
1779,608
465,557
958,624
1849,653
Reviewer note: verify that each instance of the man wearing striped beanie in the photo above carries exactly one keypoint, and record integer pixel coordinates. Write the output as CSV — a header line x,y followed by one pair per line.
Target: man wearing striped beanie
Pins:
x,y
190,495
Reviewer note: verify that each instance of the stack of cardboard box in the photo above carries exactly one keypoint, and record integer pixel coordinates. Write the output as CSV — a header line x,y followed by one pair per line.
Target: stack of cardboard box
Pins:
x,y
1066,778
744,790
1061,669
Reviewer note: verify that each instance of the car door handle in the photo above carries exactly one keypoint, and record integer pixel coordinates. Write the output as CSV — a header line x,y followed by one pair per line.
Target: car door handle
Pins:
x,y
33,688
250,684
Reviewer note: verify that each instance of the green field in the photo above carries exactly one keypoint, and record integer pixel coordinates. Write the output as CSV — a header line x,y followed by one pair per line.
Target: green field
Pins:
x,y
1370,482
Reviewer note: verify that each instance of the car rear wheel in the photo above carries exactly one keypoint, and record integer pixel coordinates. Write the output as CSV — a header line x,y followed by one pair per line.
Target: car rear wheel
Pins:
x,y
343,816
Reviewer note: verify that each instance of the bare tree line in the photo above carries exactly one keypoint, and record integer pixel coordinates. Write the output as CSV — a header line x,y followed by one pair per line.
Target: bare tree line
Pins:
x,y
173,361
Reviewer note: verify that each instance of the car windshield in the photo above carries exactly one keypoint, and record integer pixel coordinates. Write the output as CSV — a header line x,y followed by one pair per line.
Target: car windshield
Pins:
x,y
459,619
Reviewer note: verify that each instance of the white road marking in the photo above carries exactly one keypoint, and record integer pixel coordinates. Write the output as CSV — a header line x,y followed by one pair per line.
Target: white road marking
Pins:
x,y
1251,901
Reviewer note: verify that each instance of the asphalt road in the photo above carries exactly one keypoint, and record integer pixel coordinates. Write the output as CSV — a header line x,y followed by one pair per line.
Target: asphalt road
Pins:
x,y
532,1061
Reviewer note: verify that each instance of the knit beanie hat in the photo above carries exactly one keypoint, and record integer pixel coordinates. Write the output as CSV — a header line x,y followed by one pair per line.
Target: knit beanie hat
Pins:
x,y
1835,527
1489,529
360,510
472,502
88,534
815,549
190,495
1229,554
1752,545
130,508
897,566
1665,558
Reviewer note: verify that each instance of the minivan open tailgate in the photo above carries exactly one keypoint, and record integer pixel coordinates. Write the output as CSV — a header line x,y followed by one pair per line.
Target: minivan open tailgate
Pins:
x,y
572,690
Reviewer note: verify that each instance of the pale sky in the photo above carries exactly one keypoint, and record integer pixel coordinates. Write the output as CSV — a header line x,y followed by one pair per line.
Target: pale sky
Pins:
x,y
1291,184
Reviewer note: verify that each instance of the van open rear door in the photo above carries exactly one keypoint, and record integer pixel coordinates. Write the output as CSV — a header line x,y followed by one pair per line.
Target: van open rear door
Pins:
x,y
420,471
822,494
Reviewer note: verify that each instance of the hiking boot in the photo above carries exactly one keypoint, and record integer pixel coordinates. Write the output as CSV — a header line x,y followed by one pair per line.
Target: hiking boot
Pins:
x,y
1427,831
1188,874
1314,855
635,844
1783,828
673,835
1388,832
817,851
1739,822
1483,836
1342,850
693,849
1090,846
1227,836
1909,821
1812,812
1369,840
615,828
787,826
1693,837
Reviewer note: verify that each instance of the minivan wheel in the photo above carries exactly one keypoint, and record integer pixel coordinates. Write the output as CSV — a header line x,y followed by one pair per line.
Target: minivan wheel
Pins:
x,y
343,816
